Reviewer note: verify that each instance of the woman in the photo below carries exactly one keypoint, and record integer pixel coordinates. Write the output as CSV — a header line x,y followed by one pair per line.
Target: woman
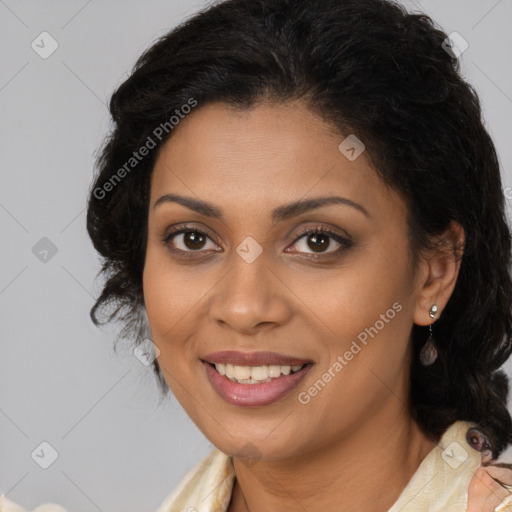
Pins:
x,y
300,200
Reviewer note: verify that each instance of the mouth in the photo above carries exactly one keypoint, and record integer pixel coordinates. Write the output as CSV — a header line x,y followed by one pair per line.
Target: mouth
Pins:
x,y
255,374
255,385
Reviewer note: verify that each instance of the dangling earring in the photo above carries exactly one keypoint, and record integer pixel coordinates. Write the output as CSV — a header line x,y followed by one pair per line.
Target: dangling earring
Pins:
x,y
428,353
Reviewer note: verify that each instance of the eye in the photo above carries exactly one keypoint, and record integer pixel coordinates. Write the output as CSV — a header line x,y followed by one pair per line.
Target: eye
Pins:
x,y
187,240
319,240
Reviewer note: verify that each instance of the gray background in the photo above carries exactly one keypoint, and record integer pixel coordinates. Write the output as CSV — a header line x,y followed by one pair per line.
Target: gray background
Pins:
x,y
60,380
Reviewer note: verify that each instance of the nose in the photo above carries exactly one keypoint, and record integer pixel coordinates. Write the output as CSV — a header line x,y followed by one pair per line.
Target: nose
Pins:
x,y
251,297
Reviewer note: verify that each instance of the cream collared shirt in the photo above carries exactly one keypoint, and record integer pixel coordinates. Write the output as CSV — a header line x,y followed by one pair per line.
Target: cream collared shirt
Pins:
x,y
440,484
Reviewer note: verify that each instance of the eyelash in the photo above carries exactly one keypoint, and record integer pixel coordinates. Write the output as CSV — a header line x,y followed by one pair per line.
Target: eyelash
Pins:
x,y
317,230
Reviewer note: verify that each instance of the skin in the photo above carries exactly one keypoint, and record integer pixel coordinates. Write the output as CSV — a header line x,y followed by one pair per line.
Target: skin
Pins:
x,y
484,492
321,455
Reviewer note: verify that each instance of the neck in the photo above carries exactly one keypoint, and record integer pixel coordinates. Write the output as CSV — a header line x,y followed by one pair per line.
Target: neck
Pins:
x,y
366,470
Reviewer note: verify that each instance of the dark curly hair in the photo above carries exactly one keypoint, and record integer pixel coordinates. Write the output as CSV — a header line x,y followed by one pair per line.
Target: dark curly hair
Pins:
x,y
369,68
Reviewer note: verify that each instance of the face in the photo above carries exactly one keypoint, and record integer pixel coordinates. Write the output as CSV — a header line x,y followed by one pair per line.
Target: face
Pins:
x,y
257,286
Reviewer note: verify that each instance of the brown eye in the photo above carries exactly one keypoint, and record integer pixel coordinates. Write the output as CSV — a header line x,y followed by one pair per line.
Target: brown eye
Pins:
x,y
477,440
193,240
318,242
187,240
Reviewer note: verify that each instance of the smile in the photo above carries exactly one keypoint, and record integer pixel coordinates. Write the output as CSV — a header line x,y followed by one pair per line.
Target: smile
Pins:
x,y
254,385
255,374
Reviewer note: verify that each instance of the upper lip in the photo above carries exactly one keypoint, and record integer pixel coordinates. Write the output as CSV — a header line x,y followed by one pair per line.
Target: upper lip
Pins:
x,y
253,358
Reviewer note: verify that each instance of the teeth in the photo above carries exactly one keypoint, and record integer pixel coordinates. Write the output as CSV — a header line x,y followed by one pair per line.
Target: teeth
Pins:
x,y
274,371
258,372
242,372
254,374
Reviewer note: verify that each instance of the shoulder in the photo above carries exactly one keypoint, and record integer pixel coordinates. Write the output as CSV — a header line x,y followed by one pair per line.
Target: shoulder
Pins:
x,y
476,478
206,487
7,505
453,478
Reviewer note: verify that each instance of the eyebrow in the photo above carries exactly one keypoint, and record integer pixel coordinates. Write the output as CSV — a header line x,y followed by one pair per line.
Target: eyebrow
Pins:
x,y
279,214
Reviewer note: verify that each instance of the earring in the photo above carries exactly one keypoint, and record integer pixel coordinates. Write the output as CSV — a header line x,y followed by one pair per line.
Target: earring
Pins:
x,y
428,353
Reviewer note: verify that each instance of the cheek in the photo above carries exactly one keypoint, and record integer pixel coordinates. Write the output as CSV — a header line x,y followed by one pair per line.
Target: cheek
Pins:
x,y
351,298
169,291
363,313
167,299
165,303
175,297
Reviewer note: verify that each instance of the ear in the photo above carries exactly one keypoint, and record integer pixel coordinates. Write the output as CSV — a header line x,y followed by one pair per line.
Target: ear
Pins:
x,y
438,272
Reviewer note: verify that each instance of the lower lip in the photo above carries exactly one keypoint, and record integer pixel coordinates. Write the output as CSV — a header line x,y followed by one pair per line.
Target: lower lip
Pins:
x,y
254,394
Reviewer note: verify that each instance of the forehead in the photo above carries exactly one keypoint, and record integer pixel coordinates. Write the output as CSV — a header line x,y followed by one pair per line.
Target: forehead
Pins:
x,y
266,155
